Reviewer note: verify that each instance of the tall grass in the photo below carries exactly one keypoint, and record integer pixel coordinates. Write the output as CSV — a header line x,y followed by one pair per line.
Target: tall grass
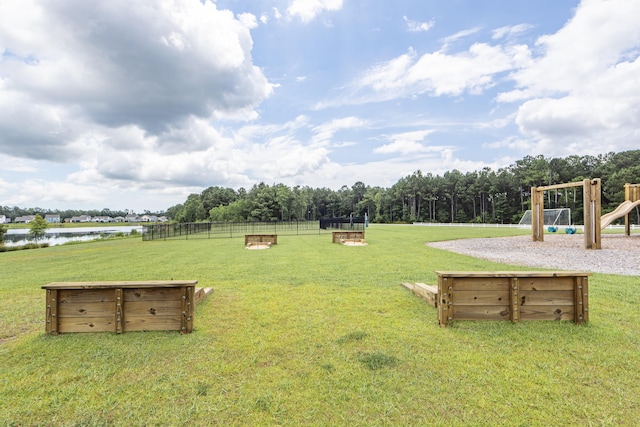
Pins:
x,y
310,333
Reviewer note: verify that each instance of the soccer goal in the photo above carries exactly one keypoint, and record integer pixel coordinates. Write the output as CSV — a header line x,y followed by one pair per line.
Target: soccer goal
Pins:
x,y
560,216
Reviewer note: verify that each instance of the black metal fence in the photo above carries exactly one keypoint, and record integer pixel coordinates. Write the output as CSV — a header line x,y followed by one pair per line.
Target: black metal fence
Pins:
x,y
212,230
347,223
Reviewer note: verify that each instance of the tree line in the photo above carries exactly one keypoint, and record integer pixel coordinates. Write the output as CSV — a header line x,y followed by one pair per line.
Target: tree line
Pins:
x,y
484,196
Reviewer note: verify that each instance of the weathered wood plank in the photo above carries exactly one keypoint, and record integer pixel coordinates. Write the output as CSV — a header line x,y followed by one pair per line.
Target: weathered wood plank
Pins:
x,y
481,297
408,285
152,294
546,298
429,293
545,312
72,296
479,283
546,283
120,284
154,308
87,324
201,294
524,273
481,312
85,309
152,323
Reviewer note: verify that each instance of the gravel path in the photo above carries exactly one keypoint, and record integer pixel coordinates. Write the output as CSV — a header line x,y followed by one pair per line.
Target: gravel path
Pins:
x,y
619,254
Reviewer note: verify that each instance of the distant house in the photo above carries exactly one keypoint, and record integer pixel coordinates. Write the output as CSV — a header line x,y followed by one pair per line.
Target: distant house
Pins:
x,y
81,218
103,219
132,218
24,219
50,218
149,218
3,219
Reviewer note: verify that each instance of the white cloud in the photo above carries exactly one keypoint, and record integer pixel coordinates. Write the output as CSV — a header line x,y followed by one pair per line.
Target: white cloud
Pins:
x,y
449,40
307,10
439,73
510,31
35,192
249,20
582,92
407,143
600,35
417,27
14,164
325,132
153,66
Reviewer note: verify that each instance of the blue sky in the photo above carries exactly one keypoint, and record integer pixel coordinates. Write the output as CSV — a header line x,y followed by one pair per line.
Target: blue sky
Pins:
x,y
135,105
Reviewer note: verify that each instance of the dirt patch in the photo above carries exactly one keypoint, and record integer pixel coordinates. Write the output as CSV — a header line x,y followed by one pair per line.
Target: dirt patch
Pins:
x,y
354,242
258,246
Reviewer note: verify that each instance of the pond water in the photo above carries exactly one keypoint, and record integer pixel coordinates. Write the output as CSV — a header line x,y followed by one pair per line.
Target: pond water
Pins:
x,y
60,235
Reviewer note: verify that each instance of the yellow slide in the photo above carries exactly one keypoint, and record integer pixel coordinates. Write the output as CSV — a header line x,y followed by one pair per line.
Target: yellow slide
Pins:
x,y
619,212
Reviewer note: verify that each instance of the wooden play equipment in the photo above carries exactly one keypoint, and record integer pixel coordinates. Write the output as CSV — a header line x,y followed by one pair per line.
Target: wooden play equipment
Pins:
x,y
352,237
122,306
592,205
271,239
631,200
512,295
429,293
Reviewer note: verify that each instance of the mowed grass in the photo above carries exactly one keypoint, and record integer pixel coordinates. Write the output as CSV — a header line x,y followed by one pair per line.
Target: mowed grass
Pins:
x,y
311,333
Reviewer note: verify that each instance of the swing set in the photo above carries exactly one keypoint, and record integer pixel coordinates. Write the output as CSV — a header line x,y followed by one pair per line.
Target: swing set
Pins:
x,y
593,221
592,205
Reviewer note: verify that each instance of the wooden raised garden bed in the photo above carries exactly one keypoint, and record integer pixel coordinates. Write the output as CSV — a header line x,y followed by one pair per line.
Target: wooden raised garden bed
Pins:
x,y
118,307
512,295
261,238
342,236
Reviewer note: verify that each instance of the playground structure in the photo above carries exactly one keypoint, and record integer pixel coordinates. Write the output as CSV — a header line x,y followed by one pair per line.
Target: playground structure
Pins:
x,y
631,200
591,195
592,190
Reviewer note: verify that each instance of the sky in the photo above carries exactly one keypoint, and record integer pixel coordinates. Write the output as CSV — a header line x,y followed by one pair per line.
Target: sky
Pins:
x,y
136,105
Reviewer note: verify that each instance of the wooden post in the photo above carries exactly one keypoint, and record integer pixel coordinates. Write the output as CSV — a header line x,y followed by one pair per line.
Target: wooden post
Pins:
x,y
444,301
596,196
537,214
627,217
592,202
51,326
581,310
119,311
187,310
588,214
592,210
514,299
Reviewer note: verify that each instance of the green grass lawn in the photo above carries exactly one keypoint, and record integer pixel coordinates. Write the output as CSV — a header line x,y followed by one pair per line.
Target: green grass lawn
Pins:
x,y
311,333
